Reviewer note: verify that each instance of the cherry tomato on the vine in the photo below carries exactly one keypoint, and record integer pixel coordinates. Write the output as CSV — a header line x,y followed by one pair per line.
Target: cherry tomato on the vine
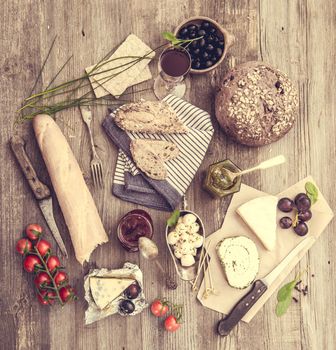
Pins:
x,y
33,231
171,324
61,278
159,308
23,246
42,279
67,293
53,263
31,263
46,297
43,247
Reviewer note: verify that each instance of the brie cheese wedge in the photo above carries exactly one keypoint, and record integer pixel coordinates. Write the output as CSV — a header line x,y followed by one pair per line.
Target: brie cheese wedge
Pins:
x,y
105,290
260,215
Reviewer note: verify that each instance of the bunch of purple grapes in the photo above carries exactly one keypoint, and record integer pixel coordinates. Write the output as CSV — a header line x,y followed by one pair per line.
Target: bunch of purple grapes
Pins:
x,y
302,204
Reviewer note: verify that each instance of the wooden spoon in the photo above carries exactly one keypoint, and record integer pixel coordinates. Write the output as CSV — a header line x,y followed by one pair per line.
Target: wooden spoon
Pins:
x,y
263,165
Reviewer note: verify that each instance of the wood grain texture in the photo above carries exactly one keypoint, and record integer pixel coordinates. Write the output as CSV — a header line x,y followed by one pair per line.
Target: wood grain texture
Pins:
x,y
297,36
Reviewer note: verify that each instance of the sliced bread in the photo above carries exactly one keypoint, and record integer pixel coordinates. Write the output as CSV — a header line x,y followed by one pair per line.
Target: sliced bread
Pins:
x,y
149,116
150,156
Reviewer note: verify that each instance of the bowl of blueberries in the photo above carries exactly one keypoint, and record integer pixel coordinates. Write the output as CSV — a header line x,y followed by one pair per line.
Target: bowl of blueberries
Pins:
x,y
210,50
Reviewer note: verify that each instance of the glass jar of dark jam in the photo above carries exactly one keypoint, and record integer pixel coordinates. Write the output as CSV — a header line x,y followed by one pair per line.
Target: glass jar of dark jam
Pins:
x,y
135,224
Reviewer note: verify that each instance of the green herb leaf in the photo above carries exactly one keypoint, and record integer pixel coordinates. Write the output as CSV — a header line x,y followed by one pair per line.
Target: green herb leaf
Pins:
x,y
286,291
283,306
172,220
169,36
284,296
312,192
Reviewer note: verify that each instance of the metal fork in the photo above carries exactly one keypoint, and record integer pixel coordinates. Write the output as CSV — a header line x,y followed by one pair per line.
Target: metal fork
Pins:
x,y
96,163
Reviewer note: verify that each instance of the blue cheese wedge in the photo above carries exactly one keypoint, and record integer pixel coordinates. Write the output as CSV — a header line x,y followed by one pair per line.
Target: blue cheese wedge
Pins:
x,y
260,215
240,259
105,290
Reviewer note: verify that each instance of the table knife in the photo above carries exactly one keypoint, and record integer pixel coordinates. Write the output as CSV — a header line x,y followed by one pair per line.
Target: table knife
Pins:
x,y
259,287
40,190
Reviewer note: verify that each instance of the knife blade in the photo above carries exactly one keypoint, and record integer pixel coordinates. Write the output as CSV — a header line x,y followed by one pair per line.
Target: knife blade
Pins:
x,y
40,190
259,287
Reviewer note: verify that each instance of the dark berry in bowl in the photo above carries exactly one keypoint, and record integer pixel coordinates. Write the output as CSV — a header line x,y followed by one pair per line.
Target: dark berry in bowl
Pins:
x,y
126,307
132,291
302,202
285,222
301,228
285,204
305,215
196,52
221,44
194,44
210,38
212,30
213,58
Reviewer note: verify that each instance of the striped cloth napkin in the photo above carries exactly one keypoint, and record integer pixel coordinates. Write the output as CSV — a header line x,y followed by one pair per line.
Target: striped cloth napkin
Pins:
x,y
132,185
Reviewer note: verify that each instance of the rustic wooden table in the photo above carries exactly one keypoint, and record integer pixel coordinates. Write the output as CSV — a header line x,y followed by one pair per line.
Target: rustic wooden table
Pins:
x,y
296,36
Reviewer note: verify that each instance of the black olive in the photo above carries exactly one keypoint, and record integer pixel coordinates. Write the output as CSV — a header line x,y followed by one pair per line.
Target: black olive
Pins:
x,y
208,63
201,42
192,35
212,30
196,52
277,84
209,47
194,44
183,32
205,25
221,44
191,28
218,52
196,64
201,32
210,38
214,59
205,55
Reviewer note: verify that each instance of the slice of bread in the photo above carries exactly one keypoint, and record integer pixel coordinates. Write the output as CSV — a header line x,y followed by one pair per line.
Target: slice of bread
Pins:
x,y
150,156
152,117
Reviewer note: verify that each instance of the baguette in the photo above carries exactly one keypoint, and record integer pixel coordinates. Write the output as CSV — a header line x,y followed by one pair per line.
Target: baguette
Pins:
x,y
78,208
149,116
150,156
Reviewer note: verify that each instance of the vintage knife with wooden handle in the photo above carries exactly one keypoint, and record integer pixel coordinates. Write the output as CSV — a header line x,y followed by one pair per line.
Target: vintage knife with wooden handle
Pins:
x,y
259,287
40,190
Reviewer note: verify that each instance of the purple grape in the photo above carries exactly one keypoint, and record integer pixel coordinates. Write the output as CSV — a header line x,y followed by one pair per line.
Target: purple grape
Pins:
x,y
302,202
132,291
305,215
126,307
301,228
286,205
285,222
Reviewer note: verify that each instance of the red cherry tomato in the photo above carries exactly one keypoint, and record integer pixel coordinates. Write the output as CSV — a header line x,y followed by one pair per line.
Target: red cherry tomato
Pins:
x,y
159,308
52,263
23,246
41,280
67,293
61,278
33,231
171,324
43,247
31,263
46,297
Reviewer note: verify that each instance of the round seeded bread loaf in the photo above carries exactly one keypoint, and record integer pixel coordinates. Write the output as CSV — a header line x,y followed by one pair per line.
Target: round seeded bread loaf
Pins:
x,y
256,104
